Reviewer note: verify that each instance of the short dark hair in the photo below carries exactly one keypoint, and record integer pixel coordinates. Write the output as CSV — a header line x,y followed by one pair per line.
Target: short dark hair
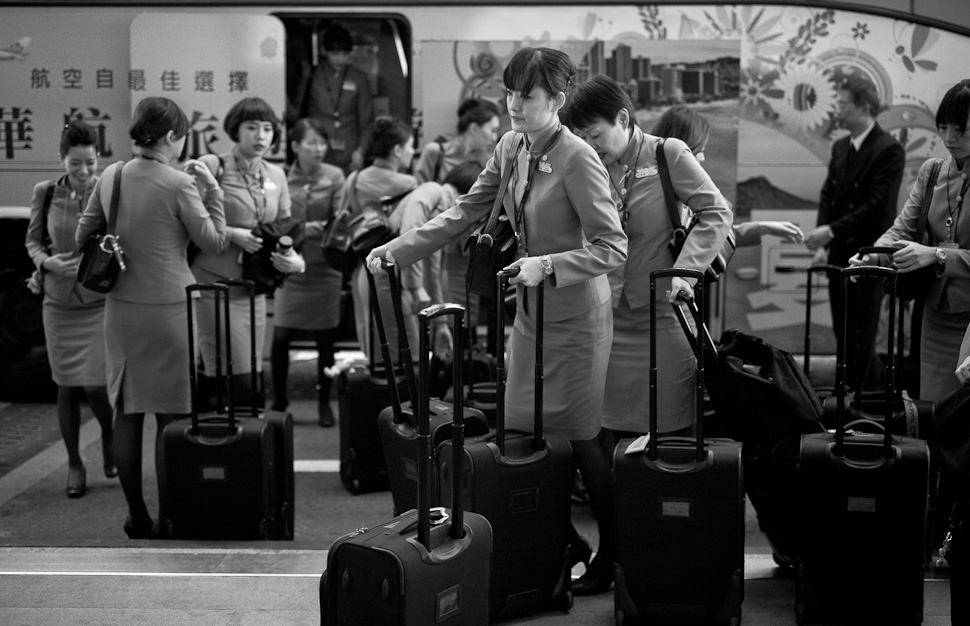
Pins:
x,y
599,98
863,93
155,117
955,106
475,111
388,133
306,124
248,110
681,122
77,133
463,176
529,68
337,39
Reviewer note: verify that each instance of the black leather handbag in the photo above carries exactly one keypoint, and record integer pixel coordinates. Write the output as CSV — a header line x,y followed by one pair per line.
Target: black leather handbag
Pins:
x,y
258,266
102,258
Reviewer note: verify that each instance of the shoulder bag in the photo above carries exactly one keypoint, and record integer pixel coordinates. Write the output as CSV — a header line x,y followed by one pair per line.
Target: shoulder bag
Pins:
x,y
719,265
102,258
492,246
912,285
337,235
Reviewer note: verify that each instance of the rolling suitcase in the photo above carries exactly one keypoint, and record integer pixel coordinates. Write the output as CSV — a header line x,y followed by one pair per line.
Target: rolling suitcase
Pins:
x,y
220,473
820,370
679,503
861,511
416,569
522,483
282,423
397,423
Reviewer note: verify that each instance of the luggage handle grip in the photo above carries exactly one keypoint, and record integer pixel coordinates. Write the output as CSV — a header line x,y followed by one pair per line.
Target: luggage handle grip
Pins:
x,y
254,377
698,276
844,276
502,278
457,528
221,291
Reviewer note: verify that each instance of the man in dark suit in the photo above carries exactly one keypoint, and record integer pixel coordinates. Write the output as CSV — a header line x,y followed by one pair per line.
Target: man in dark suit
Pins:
x,y
857,205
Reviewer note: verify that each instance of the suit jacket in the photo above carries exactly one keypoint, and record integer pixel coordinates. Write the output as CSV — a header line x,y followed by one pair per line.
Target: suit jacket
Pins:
x,y
950,290
858,199
347,113
569,215
159,211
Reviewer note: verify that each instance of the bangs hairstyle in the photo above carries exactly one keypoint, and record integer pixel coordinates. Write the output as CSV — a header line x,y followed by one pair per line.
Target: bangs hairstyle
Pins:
x,y
475,111
304,125
682,123
77,133
539,67
599,98
154,118
388,133
955,106
250,110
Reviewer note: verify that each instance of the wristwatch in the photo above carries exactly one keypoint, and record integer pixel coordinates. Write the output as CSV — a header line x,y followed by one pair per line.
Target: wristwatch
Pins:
x,y
940,256
546,264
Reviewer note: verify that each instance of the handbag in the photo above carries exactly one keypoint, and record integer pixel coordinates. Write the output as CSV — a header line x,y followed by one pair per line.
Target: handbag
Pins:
x,y
719,265
336,238
491,246
912,285
258,266
102,258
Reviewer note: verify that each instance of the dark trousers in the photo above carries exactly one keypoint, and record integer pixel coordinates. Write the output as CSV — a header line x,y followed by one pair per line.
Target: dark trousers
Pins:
x,y
863,368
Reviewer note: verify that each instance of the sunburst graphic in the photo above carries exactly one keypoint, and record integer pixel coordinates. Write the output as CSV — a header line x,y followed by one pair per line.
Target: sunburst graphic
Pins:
x,y
808,96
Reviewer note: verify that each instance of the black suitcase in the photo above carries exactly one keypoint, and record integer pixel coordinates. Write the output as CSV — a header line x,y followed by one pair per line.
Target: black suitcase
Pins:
x,y
862,505
679,513
397,423
522,483
415,569
362,394
220,472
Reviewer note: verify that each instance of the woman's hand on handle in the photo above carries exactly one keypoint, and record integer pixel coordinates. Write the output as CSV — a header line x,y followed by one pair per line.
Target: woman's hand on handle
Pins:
x,y
913,256
374,258
530,271
679,285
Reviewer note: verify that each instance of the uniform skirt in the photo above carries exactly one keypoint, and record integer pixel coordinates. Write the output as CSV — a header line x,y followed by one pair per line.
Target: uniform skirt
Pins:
x,y
147,349
75,343
942,333
309,301
627,403
575,355
240,332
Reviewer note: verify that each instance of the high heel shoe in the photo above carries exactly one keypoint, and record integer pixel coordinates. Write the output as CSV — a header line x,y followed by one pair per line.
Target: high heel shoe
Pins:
x,y
597,579
76,479
110,469
138,527
577,552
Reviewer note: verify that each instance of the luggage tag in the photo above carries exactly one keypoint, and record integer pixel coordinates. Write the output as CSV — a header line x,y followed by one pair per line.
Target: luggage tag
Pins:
x,y
638,445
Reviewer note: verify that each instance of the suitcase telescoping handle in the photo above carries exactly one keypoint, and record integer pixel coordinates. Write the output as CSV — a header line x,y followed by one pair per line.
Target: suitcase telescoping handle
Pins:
x,y
501,282
385,349
250,287
832,271
457,529
698,352
221,293
404,346
846,274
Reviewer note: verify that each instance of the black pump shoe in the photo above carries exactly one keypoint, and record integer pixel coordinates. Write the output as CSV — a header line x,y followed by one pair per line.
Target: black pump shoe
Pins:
x,y
138,527
577,552
76,481
597,579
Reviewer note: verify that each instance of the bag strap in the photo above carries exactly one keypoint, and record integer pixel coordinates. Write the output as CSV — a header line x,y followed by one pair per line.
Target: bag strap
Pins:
x,y
115,195
670,196
927,199
503,187
45,209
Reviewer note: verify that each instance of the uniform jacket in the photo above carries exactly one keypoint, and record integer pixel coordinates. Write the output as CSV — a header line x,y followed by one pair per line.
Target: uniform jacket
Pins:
x,y
950,290
569,215
648,224
353,104
858,199
160,210
62,219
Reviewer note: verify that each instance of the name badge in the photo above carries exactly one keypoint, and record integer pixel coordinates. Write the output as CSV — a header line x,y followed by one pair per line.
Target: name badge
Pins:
x,y
268,184
349,86
337,145
544,167
643,172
